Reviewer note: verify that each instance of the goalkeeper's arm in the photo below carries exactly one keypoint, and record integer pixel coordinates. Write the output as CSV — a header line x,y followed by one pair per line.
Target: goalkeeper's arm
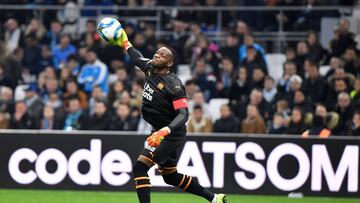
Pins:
x,y
136,57
180,119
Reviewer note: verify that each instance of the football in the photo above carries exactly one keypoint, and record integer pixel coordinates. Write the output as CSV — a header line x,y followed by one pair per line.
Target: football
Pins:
x,y
109,29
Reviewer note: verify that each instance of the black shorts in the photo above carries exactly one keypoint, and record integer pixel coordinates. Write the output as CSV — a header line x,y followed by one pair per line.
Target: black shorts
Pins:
x,y
167,154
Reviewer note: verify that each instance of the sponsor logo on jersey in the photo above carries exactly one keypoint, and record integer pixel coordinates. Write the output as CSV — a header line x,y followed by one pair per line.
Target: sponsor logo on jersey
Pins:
x,y
148,92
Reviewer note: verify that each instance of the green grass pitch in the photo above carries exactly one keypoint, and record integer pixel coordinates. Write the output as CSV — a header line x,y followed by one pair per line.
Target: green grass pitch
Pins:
x,y
43,196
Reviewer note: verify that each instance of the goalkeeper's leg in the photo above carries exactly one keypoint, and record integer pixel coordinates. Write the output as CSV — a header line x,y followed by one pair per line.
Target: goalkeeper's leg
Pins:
x,y
142,180
185,182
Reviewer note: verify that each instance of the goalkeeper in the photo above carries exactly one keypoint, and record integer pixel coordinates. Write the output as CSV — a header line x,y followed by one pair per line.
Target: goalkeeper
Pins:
x,y
165,108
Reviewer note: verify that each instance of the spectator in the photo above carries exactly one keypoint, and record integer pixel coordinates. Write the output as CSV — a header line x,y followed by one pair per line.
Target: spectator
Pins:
x,y
191,88
345,111
297,125
341,74
73,64
199,100
115,91
93,73
36,28
315,85
253,123
32,52
258,78
150,36
256,99
125,98
290,54
335,63
4,120
352,61
227,123
96,94
140,44
240,87
319,123
284,82
338,86
123,121
6,100
53,35
271,94
254,60
48,119
231,48
76,118
302,53
225,78
62,51
4,79
13,35
136,94
90,28
21,119
178,37
54,101
123,76
249,42
278,126
64,76
51,86
315,48
12,65
282,107
301,101
355,128
343,38
241,30
33,102
101,119
205,81
198,122
72,90
46,58
68,16
331,118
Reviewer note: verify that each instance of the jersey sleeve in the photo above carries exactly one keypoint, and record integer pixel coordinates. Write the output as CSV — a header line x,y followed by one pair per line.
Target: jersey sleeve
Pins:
x,y
178,95
138,59
179,102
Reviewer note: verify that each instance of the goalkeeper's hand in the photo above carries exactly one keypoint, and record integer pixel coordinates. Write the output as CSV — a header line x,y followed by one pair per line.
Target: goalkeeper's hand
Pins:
x,y
123,40
155,139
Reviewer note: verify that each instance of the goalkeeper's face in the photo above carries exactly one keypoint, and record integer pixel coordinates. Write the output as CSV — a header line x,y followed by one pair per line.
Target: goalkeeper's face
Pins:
x,y
163,58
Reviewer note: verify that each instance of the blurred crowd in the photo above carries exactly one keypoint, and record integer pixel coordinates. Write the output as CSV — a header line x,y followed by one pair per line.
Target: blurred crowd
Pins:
x,y
52,77
307,17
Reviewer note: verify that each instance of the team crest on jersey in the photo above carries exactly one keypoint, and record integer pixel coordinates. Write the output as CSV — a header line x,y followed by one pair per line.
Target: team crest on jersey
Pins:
x,y
161,86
